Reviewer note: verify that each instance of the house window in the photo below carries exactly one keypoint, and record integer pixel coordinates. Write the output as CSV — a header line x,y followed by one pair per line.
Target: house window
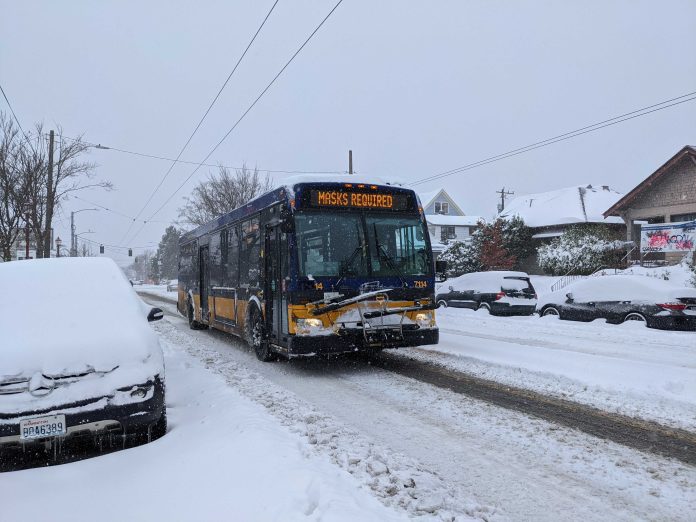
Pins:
x,y
441,207
676,218
447,232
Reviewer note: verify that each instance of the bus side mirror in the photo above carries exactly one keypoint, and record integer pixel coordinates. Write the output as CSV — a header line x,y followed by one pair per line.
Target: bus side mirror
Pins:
x,y
441,270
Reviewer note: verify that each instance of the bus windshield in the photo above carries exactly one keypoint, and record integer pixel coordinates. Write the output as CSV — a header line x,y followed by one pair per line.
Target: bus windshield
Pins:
x,y
370,244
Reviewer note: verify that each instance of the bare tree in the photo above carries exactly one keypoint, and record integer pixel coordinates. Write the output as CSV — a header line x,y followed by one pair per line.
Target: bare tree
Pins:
x,y
221,193
12,197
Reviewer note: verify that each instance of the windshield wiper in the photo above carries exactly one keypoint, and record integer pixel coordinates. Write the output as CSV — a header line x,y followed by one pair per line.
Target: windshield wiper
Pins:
x,y
382,253
362,297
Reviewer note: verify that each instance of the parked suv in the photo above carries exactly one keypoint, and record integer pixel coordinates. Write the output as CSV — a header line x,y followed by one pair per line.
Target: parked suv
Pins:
x,y
499,292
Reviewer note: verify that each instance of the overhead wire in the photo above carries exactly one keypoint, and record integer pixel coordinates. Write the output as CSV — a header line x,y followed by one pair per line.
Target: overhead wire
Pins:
x,y
263,92
185,162
200,122
17,119
565,136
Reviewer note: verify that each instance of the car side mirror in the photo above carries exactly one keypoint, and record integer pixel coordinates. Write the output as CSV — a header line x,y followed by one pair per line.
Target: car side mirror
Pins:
x,y
569,296
451,288
155,314
441,270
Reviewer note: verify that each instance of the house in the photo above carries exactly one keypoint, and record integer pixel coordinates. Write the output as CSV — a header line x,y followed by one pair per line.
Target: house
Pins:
x,y
549,214
668,195
446,220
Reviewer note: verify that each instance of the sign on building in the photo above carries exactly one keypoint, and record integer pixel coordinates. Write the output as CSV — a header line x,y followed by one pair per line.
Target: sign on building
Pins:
x,y
668,237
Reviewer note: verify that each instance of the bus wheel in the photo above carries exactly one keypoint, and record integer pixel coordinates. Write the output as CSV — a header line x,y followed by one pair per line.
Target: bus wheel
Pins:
x,y
256,337
193,324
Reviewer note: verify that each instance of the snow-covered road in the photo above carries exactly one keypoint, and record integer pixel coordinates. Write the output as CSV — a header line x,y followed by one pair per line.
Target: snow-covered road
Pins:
x,y
627,368
465,457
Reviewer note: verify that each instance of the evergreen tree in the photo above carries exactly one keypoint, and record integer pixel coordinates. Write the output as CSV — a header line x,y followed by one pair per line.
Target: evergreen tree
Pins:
x,y
494,254
168,254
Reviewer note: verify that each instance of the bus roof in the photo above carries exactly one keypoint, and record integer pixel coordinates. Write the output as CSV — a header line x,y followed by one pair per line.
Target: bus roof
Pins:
x,y
284,193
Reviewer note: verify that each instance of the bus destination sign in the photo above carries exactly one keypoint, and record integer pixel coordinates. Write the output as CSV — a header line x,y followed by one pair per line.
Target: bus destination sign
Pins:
x,y
350,199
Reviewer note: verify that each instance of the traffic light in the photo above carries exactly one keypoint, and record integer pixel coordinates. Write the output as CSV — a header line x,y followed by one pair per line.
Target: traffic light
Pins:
x,y
130,252
101,249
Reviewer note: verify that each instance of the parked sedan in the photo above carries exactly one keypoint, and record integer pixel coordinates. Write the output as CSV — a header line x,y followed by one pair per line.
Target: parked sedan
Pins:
x,y
78,361
173,285
619,298
499,292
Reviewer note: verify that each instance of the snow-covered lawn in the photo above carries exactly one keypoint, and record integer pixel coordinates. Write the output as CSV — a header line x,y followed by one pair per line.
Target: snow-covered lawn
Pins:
x,y
626,368
224,458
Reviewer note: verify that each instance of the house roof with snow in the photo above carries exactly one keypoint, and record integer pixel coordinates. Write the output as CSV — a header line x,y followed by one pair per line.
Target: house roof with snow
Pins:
x,y
625,201
577,204
458,221
429,198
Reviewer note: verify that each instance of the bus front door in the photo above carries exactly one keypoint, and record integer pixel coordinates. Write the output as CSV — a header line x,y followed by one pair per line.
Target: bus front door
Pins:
x,y
275,261
204,283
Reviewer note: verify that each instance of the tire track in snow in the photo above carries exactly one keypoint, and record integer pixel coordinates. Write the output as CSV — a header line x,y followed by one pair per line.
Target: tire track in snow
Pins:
x,y
635,433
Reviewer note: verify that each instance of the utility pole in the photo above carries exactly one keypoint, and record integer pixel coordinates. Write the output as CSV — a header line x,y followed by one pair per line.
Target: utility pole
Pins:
x,y
503,195
350,162
26,235
73,247
49,201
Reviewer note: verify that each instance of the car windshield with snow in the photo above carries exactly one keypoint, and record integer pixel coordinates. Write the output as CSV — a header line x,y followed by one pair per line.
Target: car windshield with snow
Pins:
x,y
78,359
499,292
619,298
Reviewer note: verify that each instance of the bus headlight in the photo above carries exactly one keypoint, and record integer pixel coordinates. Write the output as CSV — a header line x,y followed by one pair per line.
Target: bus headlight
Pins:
x,y
308,326
425,319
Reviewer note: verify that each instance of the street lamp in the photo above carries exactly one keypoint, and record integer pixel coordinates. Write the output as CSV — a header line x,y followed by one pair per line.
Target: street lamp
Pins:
x,y
73,238
58,245
81,234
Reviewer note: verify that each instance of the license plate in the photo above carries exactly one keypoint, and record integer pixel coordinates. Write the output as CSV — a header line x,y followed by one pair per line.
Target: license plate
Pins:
x,y
40,427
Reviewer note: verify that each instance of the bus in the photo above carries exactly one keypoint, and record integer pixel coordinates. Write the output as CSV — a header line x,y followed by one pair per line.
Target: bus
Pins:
x,y
315,267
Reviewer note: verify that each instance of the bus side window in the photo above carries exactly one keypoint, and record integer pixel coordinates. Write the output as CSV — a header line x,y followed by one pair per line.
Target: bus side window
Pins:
x,y
215,258
232,275
250,253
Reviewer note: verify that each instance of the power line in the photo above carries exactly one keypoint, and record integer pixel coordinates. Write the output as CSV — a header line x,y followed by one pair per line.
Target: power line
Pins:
x,y
199,164
200,122
17,119
110,209
263,92
565,136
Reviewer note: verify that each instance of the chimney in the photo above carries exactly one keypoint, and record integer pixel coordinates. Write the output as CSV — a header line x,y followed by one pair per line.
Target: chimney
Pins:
x,y
605,187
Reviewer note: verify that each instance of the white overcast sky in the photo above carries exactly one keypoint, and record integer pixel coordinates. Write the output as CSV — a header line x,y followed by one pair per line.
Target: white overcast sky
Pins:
x,y
414,88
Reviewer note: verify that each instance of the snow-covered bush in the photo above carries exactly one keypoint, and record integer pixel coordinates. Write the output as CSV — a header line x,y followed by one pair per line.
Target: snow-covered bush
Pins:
x,y
497,245
462,258
580,250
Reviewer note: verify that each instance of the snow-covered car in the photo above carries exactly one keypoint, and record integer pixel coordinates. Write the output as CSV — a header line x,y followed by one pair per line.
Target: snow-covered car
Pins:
x,y
619,298
78,361
173,285
499,292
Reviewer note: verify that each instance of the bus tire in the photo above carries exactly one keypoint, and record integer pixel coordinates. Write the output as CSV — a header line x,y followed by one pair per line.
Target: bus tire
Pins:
x,y
256,337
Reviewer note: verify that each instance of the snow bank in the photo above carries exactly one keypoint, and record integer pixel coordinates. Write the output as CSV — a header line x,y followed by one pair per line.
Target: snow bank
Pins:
x,y
626,368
